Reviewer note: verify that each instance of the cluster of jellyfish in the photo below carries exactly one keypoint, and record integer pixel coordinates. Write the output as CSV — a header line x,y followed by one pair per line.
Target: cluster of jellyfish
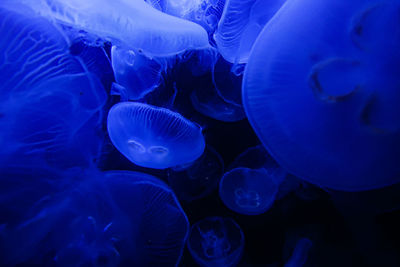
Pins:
x,y
120,119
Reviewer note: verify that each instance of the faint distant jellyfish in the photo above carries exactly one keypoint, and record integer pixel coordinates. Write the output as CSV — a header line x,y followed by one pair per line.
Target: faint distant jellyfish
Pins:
x,y
135,74
247,191
158,227
132,23
50,104
240,24
200,178
329,114
209,103
300,253
154,137
216,241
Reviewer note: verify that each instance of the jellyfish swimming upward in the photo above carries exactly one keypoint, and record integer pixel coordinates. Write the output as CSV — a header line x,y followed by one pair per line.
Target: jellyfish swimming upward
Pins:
x,y
154,137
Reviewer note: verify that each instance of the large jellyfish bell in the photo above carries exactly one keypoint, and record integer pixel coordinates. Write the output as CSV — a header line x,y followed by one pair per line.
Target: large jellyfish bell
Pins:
x,y
154,137
249,191
216,241
322,94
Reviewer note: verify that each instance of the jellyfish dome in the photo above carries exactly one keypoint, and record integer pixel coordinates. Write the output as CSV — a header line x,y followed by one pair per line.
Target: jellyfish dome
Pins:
x,y
216,241
322,93
154,137
133,24
240,24
247,191
300,253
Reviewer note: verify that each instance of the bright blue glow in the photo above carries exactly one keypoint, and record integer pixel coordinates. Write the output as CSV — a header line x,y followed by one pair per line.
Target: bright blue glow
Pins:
x,y
240,24
216,241
249,191
154,137
327,114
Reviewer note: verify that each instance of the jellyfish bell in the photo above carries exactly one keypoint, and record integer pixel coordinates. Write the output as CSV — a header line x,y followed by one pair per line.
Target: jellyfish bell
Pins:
x,y
198,179
240,24
154,137
133,23
327,114
300,253
135,72
247,191
216,241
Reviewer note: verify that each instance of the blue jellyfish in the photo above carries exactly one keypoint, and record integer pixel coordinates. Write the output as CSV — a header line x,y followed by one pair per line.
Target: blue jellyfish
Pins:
x,y
207,102
200,178
133,24
154,137
240,24
158,227
328,114
92,219
216,241
135,73
247,191
300,253
50,104
228,84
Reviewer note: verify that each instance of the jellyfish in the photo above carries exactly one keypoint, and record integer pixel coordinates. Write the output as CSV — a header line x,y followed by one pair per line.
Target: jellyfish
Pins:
x,y
132,24
135,73
94,219
216,241
209,103
240,24
50,104
200,178
228,84
249,191
154,137
328,114
300,253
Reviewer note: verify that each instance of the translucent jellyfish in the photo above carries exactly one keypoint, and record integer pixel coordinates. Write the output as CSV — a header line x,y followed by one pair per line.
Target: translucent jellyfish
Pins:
x,y
216,241
228,84
240,24
200,178
300,253
94,219
132,23
154,137
135,73
328,114
207,101
50,104
247,191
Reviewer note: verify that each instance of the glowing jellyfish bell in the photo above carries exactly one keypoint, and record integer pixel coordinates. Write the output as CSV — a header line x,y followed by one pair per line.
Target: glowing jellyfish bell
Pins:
x,y
240,24
216,241
132,23
154,137
300,253
247,191
329,114
135,73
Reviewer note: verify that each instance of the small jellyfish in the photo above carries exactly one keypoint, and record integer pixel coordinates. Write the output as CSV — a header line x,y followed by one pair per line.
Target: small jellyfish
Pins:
x,y
154,137
207,101
50,104
329,114
134,24
300,253
216,241
247,191
135,73
200,178
240,25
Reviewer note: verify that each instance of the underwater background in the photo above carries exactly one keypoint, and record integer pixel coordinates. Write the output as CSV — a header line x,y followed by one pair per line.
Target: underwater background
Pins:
x,y
199,133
